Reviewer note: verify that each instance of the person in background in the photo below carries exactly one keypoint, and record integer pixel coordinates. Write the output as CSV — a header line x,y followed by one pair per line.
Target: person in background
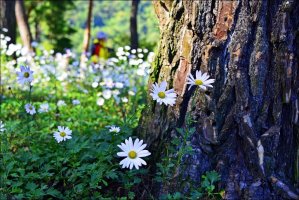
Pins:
x,y
99,51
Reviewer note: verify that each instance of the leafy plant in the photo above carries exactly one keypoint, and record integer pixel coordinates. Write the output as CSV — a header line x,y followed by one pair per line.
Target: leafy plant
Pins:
x,y
208,187
32,164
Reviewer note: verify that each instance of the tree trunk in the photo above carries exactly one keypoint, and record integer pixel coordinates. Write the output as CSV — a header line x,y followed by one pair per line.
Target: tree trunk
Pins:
x,y
8,18
86,33
37,31
247,126
133,24
23,25
87,28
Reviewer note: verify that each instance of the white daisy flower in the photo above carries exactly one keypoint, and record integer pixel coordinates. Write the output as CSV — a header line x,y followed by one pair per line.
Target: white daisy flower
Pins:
x,y
202,80
107,94
132,93
119,85
109,82
127,48
125,100
120,49
30,109
43,108
63,134
61,103
25,75
95,84
114,129
133,153
151,57
2,127
100,101
160,94
76,102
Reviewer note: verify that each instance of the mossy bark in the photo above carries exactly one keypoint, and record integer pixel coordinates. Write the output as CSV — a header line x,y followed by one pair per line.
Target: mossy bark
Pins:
x,y
247,126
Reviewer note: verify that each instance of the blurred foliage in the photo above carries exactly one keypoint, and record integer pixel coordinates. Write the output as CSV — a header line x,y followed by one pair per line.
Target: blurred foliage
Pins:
x,y
49,24
60,24
113,17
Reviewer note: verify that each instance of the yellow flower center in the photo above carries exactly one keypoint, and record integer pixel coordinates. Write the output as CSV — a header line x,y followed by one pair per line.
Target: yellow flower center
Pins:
x,y
132,154
62,134
198,82
161,95
26,74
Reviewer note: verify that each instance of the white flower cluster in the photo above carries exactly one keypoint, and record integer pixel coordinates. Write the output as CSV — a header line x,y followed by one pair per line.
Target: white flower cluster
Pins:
x,y
132,151
168,97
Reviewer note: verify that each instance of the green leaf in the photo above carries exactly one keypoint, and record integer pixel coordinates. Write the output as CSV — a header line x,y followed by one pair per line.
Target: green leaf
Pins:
x,y
31,186
131,195
53,192
177,195
213,176
181,131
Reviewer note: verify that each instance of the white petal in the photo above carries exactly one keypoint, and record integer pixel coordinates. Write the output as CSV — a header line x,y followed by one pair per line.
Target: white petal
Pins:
x,y
144,153
122,154
209,81
141,161
60,128
68,137
141,148
136,143
203,87
163,85
136,164
124,147
191,78
198,74
131,143
131,165
123,161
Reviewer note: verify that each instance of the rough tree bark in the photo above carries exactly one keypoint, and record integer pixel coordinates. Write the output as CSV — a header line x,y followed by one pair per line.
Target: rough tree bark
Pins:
x,y
8,18
247,126
23,25
133,24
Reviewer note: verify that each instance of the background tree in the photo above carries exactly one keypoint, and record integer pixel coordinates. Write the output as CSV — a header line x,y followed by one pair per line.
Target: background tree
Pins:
x,y
247,125
8,18
113,18
23,25
87,28
133,24
49,23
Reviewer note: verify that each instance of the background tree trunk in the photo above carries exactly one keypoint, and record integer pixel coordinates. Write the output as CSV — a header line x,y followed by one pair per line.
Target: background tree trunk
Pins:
x,y
87,32
8,18
133,24
23,25
87,28
247,126
8,21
